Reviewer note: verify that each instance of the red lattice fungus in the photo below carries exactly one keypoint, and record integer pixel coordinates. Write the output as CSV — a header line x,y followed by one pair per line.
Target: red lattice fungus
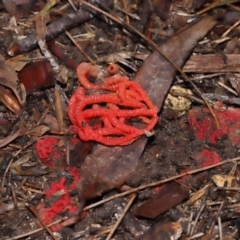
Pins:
x,y
106,115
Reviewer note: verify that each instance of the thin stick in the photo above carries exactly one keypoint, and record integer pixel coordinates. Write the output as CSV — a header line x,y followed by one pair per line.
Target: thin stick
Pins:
x,y
160,182
202,206
155,46
125,9
5,173
80,48
34,231
32,209
14,198
220,228
73,5
227,88
121,217
230,29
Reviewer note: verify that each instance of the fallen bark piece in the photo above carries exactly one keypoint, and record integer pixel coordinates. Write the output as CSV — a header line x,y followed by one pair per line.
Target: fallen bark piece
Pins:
x,y
213,63
37,75
109,167
155,206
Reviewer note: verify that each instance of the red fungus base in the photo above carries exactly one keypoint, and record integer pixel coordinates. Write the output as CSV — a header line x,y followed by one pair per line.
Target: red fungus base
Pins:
x,y
105,115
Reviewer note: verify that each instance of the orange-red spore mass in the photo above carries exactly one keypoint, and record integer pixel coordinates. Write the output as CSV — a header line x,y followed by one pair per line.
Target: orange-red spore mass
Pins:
x,y
112,105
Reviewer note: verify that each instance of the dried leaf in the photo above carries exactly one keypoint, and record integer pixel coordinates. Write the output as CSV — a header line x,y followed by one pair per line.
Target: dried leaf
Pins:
x,y
22,160
17,167
9,78
38,131
5,141
10,101
224,180
30,171
17,64
108,168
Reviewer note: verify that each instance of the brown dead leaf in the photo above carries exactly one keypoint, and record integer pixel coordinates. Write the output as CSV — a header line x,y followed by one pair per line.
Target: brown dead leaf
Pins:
x,y
9,78
10,138
18,64
19,167
109,167
30,170
38,131
10,101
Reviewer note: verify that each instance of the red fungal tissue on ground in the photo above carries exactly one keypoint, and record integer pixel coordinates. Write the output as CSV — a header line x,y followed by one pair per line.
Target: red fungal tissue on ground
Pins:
x,y
207,158
205,128
59,196
104,113
48,151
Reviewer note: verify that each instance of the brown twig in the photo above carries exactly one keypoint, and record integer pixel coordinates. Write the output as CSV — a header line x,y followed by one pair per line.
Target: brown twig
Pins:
x,y
5,174
33,210
80,48
35,231
121,217
14,198
134,190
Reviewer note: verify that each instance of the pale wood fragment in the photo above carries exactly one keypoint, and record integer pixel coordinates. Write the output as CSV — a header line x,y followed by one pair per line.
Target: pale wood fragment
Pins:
x,y
213,63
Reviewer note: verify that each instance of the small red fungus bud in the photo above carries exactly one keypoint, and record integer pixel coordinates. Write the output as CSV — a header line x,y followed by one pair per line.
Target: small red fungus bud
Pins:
x,y
113,69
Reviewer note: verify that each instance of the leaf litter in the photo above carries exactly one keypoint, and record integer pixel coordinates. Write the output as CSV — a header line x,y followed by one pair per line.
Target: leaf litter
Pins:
x,y
64,177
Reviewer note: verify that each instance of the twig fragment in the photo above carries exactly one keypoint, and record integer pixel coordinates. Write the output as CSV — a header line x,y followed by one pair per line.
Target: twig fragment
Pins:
x,y
32,209
80,48
134,190
121,217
